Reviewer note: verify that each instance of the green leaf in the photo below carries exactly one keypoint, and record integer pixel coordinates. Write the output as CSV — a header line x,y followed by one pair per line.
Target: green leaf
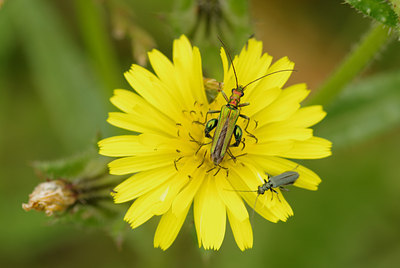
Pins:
x,y
363,111
381,11
85,164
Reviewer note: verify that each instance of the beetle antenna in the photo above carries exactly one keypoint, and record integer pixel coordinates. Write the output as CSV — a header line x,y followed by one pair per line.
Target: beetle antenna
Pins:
x,y
292,70
241,191
230,58
254,208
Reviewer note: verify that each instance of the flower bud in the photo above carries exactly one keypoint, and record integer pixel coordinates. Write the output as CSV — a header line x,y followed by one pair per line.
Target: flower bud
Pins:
x,y
51,196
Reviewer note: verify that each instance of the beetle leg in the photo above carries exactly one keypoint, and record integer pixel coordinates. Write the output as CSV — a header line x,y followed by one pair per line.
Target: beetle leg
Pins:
x,y
199,143
231,155
244,104
247,125
176,161
205,121
219,168
223,94
244,144
272,194
204,157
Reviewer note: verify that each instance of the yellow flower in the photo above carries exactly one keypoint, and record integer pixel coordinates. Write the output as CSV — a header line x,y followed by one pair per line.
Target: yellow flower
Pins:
x,y
170,159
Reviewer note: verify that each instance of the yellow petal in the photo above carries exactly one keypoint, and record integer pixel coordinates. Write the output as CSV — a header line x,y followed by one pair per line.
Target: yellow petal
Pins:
x,y
279,79
184,66
276,203
313,148
186,195
225,64
287,103
246,181
306,117
209,215
169,227
250,65
270,148
138,213
142,183
165,70
241,231
196,82
132,164
280,133
261,98
153,91
131,122
125,145
143,207
231,198
270,205
164,202
180,179
141,110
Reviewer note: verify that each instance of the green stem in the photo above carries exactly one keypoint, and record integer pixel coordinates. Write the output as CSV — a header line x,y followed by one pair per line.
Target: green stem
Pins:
x,y
355,62
95,35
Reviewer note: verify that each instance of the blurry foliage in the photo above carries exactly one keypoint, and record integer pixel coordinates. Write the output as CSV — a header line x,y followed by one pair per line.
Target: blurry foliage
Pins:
x,y
62,77
206,20
357,60
363,111
125,26
60,61
381,11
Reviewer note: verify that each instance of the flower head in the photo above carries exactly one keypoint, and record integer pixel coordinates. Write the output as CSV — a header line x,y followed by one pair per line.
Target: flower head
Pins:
x,y
171,159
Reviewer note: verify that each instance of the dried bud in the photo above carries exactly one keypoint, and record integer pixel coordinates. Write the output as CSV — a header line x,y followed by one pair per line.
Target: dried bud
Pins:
x,y
211,84
51,196
212,87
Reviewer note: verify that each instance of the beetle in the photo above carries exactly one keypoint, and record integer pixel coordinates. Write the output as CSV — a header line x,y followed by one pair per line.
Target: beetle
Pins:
x,y
226,123
283,179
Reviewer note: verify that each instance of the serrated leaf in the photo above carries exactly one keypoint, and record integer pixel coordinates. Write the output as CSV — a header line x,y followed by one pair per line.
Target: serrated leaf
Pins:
x,y
63,168
88,164
363,111
381,11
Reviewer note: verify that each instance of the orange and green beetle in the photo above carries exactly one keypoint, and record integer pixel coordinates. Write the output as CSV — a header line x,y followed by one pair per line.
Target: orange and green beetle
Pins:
x,y
226,123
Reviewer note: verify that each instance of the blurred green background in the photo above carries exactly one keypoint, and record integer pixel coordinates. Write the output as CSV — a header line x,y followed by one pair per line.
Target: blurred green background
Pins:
x,y
60,61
